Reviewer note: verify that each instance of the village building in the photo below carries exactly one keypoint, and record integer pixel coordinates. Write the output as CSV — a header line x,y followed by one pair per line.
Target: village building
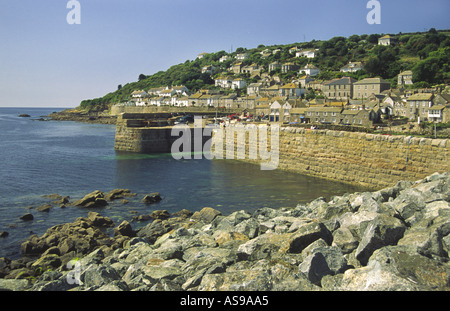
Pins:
x,y
339,88
291,90
310,70
387,40
369,86
352,67
418,106
288,67
311,53
405,78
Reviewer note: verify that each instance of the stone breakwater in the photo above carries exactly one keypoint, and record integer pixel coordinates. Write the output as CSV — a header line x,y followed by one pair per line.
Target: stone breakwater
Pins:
x,y
369,160
397,238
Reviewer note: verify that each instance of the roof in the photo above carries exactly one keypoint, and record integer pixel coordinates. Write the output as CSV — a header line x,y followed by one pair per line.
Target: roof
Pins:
x,y
372,81
421,96
344,80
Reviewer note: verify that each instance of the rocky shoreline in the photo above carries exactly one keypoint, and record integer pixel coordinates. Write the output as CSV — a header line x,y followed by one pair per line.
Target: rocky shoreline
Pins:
x,y
82,116
394,239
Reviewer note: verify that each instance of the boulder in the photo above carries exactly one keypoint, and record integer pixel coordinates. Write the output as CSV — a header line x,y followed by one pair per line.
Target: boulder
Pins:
x,y
207,215
92,200
306,235
27,217
160,214
124,229
382,231
152,198
323,261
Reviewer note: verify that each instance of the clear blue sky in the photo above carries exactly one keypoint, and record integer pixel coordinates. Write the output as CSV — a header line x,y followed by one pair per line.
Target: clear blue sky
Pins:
x,y
45,62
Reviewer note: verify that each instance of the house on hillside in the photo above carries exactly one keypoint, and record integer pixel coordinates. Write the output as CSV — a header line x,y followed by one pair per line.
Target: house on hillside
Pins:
x,y
288,67
387,40
223,82
236,68
291,90
209,69
238,84
310,70
242,56
339,88
274,66
405,78
254,88
366,87
201,55
311,53
352,67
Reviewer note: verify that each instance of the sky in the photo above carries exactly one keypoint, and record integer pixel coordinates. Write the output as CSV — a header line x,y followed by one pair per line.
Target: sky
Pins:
x,y
47,62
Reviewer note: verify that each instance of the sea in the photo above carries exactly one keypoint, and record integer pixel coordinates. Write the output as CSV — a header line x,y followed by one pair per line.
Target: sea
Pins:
x,y
39,158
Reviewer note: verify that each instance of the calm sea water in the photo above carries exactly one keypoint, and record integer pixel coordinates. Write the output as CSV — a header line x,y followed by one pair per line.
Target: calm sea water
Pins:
x,y
72,159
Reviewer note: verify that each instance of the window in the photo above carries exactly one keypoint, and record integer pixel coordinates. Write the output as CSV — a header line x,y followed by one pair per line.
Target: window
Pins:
x,y
324,113
333,114
317,114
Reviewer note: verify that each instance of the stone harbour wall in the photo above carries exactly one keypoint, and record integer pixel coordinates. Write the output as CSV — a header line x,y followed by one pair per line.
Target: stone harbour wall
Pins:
x,y
368,160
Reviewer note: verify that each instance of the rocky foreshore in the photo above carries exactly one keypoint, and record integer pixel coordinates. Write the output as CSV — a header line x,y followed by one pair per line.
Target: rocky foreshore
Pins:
x,y
394,239
82,116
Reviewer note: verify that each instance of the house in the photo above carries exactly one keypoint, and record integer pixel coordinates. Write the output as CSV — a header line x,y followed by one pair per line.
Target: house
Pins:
x,y
352,67
288,67
397,105
167,93
201,55
181,90
228,101
224,58
274,66
361,117
366,87
291,90
323,115
339,88
418,106
279,111
405,78
182,101
270,91
297,115
387,40
222,82
238,84
209,69
311,53
251,69
236,68
254,88
139,95
436,113
310,70
242,56
156,101
304,80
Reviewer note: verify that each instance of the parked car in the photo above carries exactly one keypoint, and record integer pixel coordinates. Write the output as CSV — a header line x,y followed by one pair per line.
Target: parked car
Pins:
x,y
185,119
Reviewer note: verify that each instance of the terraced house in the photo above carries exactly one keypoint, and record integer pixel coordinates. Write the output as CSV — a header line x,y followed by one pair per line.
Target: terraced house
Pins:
x,y
367,87
339,88
418,106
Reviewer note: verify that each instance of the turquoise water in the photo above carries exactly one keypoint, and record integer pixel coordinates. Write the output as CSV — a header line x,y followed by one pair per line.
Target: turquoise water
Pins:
x,y
73,159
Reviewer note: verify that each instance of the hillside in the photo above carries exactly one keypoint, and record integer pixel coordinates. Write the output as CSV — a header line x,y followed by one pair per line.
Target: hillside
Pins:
x,y
426,54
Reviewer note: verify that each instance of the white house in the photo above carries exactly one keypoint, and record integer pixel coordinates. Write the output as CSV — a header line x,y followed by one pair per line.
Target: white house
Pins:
x,y
311,70
224,58
352,67
242,56
238,84
223,82
156,101
306,53
209,69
